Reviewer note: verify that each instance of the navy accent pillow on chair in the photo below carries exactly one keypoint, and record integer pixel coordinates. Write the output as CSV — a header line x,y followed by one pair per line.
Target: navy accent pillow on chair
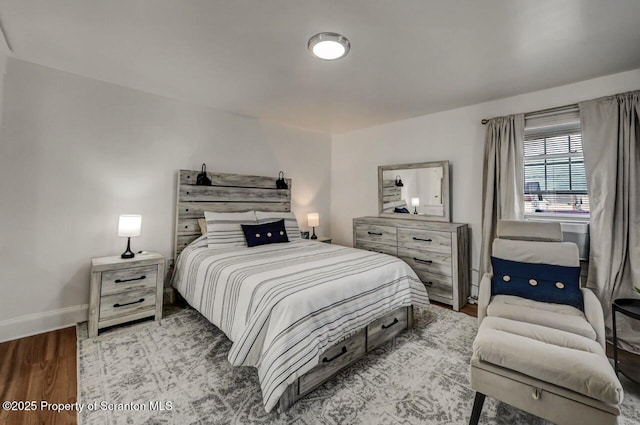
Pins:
x,y
401,210
263,234
539,282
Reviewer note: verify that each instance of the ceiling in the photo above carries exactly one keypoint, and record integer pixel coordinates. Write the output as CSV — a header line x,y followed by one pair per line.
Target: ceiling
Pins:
x,y
408,57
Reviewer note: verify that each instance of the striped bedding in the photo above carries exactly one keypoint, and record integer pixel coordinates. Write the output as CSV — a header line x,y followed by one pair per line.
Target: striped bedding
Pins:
x,y
282,305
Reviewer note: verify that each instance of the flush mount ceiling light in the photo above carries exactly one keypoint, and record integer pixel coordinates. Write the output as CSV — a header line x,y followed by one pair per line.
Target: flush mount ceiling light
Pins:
x,y
329,46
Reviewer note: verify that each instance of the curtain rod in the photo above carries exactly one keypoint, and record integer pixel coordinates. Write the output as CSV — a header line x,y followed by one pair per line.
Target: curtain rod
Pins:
x,y
541,111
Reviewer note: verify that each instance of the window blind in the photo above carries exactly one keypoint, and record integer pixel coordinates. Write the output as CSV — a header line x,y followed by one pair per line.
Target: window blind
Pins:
x,y
552,122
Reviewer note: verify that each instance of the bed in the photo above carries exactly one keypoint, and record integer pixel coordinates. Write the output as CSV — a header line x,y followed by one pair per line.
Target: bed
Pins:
x,y
298,311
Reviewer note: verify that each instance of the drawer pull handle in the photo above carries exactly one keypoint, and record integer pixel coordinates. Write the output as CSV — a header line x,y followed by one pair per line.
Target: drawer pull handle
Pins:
x,y
343,351
116,305
536,393
428,283
422,261
143,277
423,240
374,233
395,320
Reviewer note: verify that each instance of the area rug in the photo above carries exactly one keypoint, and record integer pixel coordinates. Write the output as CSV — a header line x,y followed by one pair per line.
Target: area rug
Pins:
x,y
175,371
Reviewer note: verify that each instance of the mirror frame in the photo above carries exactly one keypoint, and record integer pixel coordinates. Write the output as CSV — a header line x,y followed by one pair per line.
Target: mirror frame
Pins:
x,y
446,199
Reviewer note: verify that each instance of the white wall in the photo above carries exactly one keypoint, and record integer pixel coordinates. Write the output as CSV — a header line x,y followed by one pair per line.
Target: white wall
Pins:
x,y
456,135
75,153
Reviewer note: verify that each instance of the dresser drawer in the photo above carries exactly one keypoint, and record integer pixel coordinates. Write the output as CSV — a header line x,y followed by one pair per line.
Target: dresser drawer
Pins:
x,y
426,240
334,359
376,233
126,303
434,262
386,327
122,280
377,247
438,286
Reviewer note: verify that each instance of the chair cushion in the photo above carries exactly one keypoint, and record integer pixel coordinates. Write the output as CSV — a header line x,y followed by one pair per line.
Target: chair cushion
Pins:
x,y
558,253
556,316
547,283
529,230
560,358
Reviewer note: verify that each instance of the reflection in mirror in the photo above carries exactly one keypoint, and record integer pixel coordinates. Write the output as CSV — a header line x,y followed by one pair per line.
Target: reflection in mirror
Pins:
x,y
417,190
420,189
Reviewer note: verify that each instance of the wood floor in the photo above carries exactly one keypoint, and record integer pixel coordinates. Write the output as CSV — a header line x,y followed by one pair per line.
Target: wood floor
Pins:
x,y
36,368
43,367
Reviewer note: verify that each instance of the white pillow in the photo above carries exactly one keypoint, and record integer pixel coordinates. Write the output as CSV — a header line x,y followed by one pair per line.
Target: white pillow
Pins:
x,y
290,222
223,229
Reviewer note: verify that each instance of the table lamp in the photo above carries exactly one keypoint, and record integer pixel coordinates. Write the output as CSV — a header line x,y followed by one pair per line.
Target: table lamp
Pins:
x,y
313,220
414,203
129,226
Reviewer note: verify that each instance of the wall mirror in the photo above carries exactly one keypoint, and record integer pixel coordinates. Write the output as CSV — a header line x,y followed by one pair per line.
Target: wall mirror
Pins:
x,y
417,191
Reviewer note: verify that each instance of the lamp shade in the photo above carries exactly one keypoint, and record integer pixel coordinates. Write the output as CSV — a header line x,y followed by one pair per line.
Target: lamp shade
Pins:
x,y
415,202
313,219
129,225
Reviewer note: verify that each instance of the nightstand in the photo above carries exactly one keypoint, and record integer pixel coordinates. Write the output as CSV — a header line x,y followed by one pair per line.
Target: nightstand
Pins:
x,y
322,239
123,290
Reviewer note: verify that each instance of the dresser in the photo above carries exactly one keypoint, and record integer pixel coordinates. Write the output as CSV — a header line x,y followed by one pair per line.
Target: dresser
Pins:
x,y
437,251
124,290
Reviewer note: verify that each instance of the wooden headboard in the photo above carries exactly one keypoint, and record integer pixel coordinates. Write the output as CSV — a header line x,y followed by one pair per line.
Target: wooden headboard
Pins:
x,y
227,193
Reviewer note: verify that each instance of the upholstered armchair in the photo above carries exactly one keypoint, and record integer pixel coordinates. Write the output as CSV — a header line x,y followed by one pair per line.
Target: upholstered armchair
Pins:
x,y
541,340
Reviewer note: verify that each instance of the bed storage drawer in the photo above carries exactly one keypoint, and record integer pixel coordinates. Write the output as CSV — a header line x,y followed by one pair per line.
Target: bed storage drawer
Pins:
x,y
123,280
127,303
386,327
333,360
424,240
376,233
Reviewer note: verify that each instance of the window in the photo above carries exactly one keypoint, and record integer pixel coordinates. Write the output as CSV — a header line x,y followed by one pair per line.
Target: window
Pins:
x,y
555,183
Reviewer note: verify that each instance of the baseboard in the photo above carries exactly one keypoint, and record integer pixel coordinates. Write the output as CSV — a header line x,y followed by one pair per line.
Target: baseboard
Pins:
x,y
33,324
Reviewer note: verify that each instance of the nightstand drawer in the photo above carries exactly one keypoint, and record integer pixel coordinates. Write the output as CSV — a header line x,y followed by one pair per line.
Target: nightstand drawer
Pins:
x,y
125,289
127,303
123,280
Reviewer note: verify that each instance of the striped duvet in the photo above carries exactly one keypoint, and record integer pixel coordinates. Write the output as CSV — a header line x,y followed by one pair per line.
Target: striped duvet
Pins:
x,y
282,305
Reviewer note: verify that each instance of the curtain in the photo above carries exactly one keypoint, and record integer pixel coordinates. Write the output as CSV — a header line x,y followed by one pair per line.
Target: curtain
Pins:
x,y
611,144
502,179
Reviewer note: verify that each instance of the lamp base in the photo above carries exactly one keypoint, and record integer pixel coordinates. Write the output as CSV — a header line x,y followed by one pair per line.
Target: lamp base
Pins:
x,y
415,210
314,234
128,253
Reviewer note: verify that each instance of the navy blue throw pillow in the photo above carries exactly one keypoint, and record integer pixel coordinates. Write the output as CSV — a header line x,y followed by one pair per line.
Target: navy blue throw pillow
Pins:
x,y
263,234
401,210
539,282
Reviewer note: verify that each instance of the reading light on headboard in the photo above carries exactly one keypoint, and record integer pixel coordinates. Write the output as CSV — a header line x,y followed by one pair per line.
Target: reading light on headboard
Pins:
x,y
129,226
